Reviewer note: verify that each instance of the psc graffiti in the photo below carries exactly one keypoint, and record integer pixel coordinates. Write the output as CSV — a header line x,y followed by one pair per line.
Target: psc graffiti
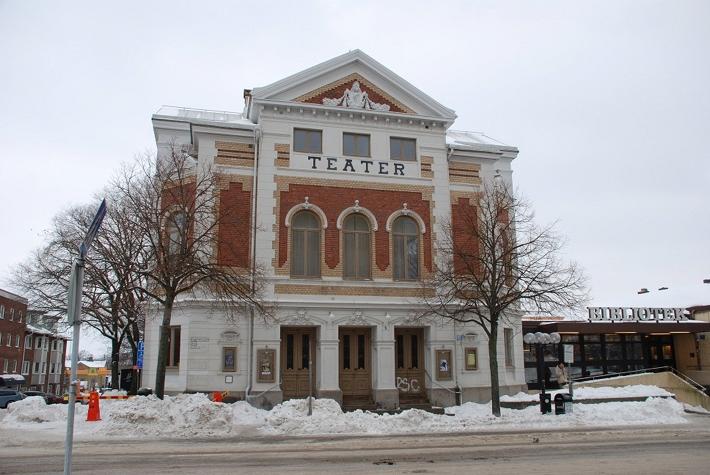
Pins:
x,y
407,385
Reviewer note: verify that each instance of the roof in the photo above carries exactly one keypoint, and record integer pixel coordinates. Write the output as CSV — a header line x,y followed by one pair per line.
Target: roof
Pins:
x,y
11,296
585,327
203,117
89,364
465,140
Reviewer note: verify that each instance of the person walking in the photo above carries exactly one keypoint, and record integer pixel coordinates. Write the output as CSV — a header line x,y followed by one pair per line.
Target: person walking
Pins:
x,y
561,373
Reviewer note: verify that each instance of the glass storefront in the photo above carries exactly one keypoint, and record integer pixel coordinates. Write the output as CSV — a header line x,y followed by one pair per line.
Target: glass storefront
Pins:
x,y
596,354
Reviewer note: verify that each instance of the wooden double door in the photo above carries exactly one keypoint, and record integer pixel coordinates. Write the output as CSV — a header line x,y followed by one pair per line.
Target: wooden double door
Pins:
x,y
355,365
409,363
298,361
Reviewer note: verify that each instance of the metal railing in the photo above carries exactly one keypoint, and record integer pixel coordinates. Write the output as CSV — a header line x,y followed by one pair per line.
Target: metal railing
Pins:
x,y
249,397
657,369
452,391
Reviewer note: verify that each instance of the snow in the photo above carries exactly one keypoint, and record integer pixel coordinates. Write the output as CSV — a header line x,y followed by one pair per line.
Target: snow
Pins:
x,y
194,415
637,390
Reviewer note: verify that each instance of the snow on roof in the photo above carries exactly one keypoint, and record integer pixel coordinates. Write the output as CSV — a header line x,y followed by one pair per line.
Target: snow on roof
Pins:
x,y
90,364
39,331
465,140
202,116
14,377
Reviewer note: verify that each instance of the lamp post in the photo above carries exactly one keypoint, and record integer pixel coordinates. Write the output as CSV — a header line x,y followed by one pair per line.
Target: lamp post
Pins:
x,y
540,339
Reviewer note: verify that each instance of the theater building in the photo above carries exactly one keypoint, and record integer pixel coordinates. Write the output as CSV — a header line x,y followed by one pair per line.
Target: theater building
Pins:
x,y
349,172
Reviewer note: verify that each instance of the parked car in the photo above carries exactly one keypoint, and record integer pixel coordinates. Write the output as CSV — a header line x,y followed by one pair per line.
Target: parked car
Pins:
x,y
36,393
54,399
80,397
9,395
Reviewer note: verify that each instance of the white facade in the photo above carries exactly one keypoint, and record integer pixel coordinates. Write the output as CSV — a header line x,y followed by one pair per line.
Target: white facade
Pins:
x,y
331,305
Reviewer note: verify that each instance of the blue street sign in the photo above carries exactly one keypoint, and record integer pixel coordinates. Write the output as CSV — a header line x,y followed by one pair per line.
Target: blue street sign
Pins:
x,y
93,229
139,361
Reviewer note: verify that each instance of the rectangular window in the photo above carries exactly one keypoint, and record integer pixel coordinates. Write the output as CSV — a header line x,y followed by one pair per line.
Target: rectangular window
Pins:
x,y
471,359
289,351
400,351
54,345
229,359
508,340
36,367
4,366
346,351
361,352
174,347
25,367
356,145
8,340
14,366
306,351
19,316
17,341
403,149
307,141
12,314
2,311
415,352
28,341
44,367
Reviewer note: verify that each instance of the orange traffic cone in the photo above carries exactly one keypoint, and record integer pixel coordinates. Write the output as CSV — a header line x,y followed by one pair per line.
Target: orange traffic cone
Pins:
x,y
217,396
94,413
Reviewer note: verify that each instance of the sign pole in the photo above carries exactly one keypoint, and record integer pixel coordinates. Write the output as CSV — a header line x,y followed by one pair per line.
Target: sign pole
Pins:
x,y
74,315
76,284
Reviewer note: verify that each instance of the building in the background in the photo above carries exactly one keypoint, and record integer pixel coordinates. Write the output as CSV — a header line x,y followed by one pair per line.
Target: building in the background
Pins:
x,y
13,315
44,354
339,181
619,339
91,374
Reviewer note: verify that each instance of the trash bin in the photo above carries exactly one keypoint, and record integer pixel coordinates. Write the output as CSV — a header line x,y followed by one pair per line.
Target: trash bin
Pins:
x,y
144,392
563,404
545,403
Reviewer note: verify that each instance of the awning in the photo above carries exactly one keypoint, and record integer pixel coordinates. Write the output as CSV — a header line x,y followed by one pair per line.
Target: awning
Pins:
x,y
584,327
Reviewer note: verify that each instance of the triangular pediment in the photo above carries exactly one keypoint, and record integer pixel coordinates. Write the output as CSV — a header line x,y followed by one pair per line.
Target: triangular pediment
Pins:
x,y
354,80
338,93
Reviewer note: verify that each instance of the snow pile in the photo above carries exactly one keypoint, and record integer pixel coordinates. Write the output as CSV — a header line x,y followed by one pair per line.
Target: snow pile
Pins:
x,y
185,415
34,410
607,392
194,415
115,392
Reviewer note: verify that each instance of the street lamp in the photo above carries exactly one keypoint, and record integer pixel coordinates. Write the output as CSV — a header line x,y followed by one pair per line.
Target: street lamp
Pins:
x,y
540,339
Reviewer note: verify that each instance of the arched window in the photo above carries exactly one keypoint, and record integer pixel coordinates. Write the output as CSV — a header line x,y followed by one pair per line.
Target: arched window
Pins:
x,y
405,246
305,245
356,247
176,231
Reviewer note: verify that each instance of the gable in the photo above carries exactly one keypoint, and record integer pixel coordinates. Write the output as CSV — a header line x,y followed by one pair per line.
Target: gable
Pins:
x,y
333,81
337,92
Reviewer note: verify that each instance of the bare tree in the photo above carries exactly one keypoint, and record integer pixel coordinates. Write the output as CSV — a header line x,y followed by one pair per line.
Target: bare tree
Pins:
x,y
112,299
176,204
496,262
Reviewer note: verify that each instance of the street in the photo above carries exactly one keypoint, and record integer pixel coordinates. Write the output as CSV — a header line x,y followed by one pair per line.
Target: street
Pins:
x,y
681,449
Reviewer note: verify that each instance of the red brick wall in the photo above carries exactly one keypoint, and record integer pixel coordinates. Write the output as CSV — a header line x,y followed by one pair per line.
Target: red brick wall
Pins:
x,y
13,328
466,246
333,200
234,226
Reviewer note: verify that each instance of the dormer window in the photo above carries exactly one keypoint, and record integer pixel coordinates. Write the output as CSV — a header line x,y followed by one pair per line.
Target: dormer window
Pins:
x,y
356,145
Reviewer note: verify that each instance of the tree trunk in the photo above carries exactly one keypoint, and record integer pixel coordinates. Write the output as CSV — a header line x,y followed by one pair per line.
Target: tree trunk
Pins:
x,y
163,349
115,355
136,373
493,364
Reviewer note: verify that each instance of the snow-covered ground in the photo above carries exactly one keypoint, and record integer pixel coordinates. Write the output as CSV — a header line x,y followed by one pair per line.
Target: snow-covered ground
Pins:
x,y
607,392
194,415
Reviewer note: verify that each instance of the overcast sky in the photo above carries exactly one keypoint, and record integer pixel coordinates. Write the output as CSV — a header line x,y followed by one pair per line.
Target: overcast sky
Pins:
x,y
609,103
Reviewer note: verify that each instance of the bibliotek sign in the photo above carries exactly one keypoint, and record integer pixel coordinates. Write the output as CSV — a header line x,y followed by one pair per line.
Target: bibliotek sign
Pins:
x,y
636,314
